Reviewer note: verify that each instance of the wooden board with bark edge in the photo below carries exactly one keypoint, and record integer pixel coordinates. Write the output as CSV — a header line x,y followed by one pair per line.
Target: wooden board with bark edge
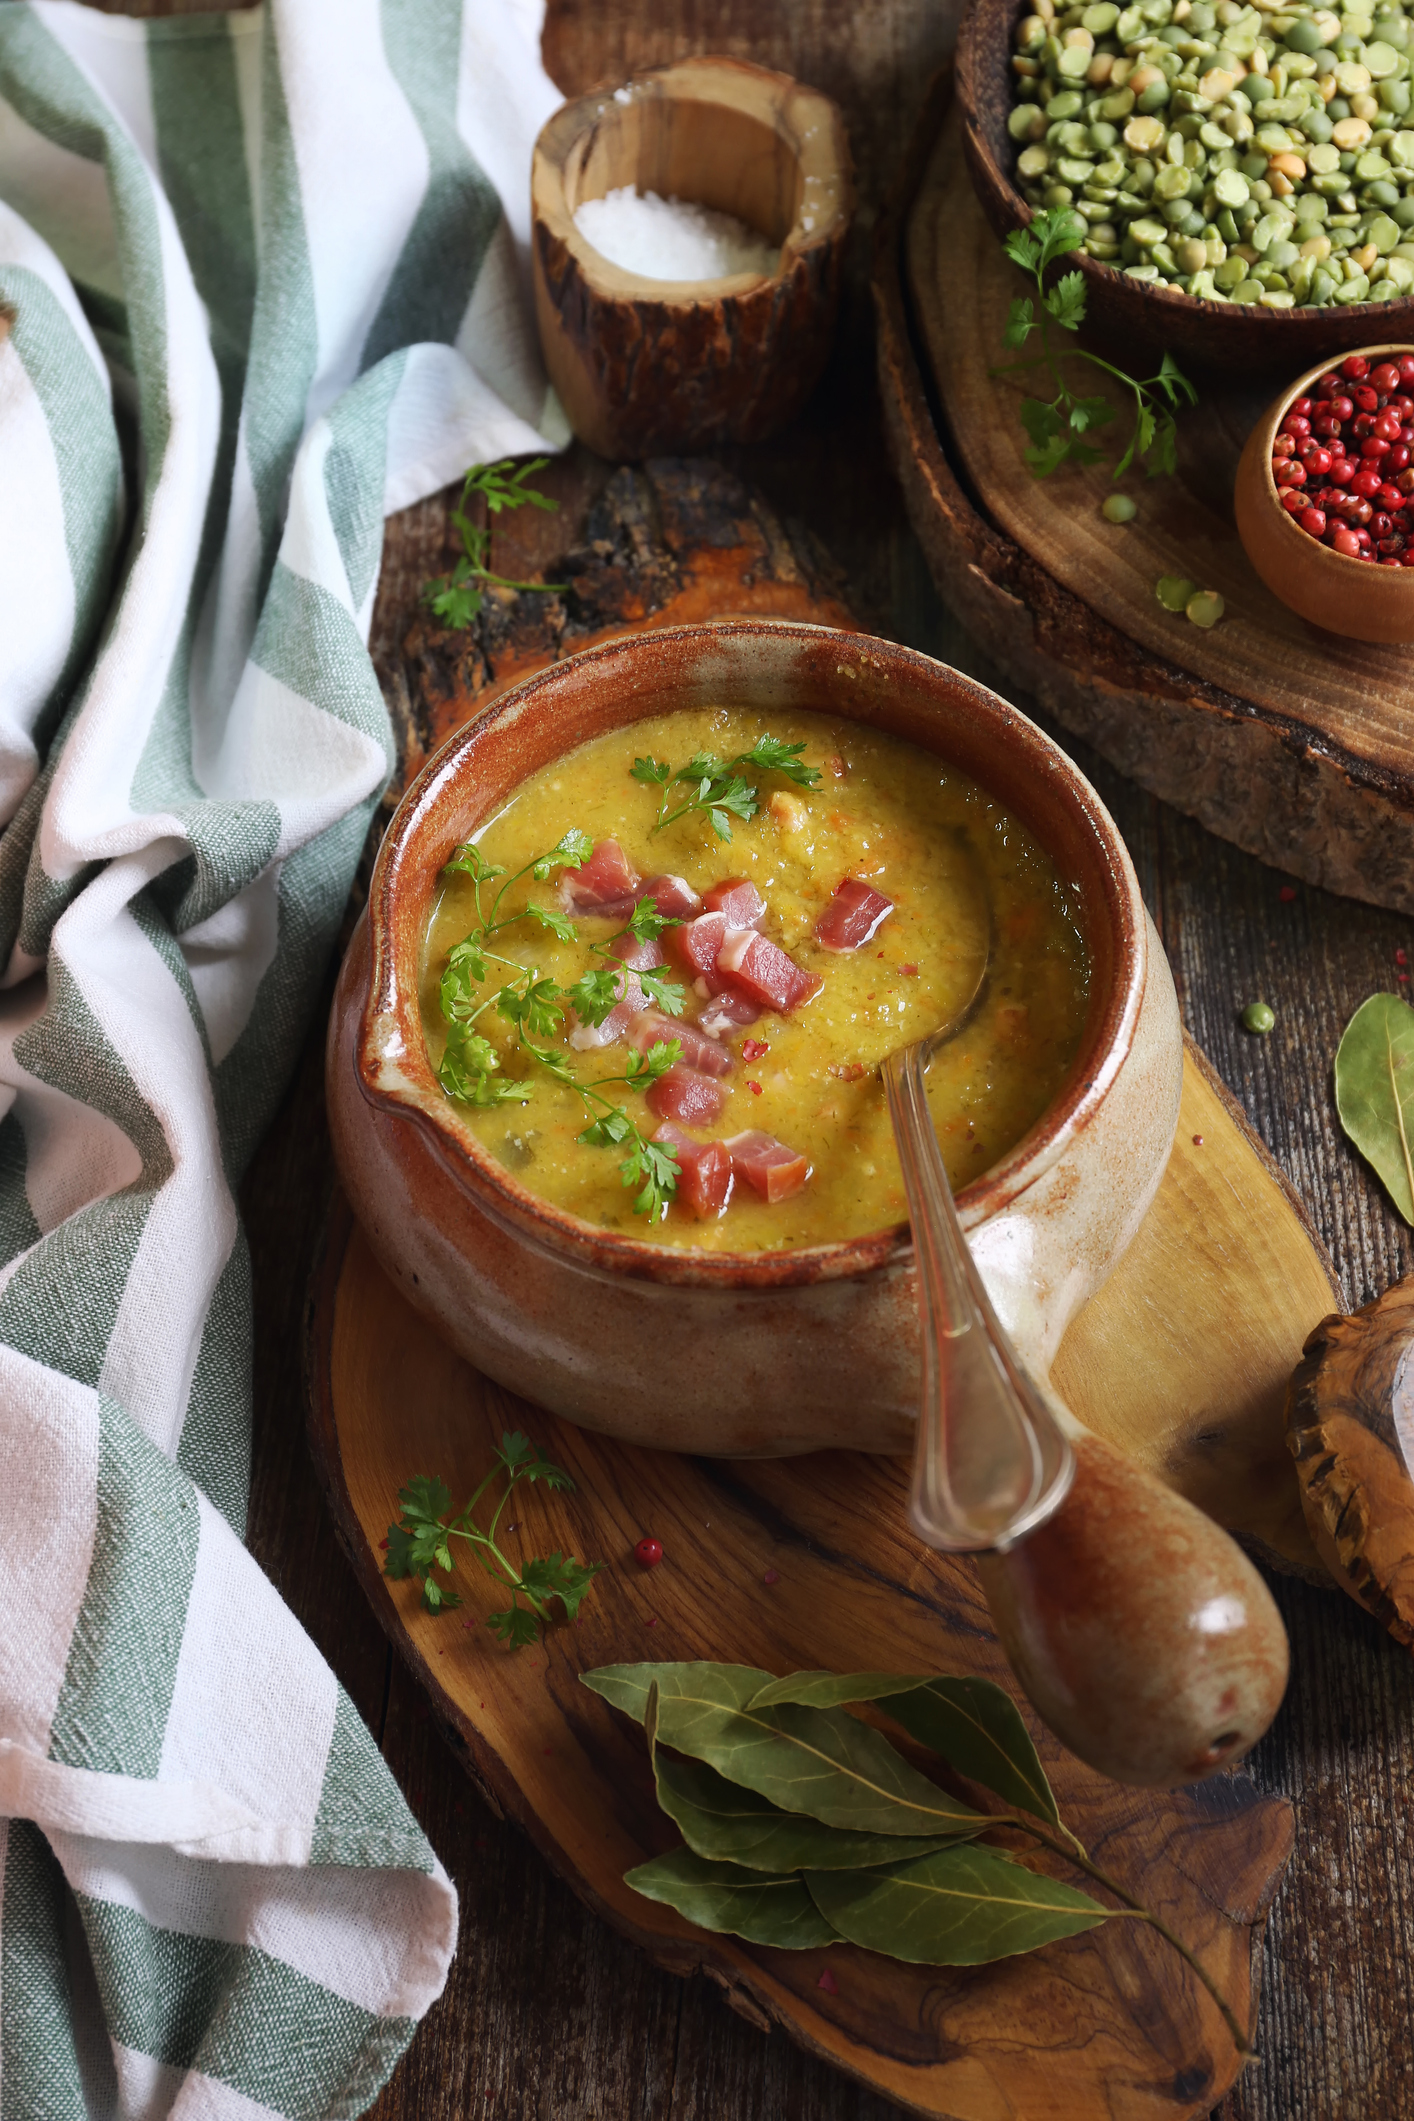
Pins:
x,y
1181,1358
1294,744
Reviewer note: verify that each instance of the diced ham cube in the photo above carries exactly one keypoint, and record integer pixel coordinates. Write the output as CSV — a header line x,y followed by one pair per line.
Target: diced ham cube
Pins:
x,y
704,1171
738,899
673,896
696,943
686,1095
640,957
852,915
727,1013
586,1038
755,966
699,1052
766,1165
606,886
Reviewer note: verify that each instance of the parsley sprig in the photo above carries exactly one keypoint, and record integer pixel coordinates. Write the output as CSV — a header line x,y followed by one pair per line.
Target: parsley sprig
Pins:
x,y
456,598
421,1543
535,1005
719,786
1059,426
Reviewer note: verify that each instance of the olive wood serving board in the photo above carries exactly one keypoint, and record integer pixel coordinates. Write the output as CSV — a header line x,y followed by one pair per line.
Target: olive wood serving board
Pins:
x,y
1182,1358
1294,743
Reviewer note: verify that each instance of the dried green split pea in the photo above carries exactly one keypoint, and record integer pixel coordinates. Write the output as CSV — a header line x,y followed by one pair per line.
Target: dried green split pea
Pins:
x,y
1204,607
1258,1017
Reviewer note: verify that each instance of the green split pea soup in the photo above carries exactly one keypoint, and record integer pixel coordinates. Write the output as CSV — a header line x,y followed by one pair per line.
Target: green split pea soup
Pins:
x,y
950,858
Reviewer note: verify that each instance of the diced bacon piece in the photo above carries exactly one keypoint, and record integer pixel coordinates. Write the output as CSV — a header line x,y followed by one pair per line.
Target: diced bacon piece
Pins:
x,y
766,1165
604,886
727,1013
852,915
755,966
699,1052
704,1171
738,899
688,1096
673,896
640,957
696,943
585,1038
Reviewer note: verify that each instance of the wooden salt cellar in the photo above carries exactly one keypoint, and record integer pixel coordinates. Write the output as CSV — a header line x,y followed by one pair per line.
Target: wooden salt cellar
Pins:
x,y
649,367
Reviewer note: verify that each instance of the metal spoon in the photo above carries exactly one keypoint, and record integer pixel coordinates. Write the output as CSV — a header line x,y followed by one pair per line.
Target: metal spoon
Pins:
x,y
990,1462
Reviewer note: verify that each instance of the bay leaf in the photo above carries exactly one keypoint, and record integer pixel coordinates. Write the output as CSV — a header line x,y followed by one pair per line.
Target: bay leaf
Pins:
x,y
721,1820
1374,1092
723,1896
626,1686
973,1724
960,1906
824,1763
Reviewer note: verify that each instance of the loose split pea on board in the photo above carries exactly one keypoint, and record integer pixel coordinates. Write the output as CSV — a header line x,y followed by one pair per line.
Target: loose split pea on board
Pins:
x,y
1239,154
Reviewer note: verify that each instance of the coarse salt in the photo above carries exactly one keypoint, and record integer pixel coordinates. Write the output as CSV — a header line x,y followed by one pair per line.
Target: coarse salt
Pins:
x,y
672,239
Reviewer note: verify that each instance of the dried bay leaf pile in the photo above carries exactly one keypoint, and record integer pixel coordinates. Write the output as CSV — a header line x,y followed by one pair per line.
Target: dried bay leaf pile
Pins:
x,y
803,1826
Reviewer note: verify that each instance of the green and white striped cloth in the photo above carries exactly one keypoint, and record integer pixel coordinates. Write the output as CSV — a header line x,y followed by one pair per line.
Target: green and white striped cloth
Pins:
x,y
264,277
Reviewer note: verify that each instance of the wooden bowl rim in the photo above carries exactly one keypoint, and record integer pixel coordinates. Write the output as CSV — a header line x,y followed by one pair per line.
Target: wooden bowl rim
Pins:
x,y
1392,583
826,144
394,1072
1225,315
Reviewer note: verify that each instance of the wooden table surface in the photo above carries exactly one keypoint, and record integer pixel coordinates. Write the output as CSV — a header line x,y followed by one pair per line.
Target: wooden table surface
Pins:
x,y
547,2015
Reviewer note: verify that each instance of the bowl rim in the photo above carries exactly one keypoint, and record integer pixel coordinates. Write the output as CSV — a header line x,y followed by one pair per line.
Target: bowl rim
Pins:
x,y
581,113
1264,434
395,1074
1099,269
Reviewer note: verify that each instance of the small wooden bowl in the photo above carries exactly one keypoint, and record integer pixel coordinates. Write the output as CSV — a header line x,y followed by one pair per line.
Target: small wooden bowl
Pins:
x,y
1121,311
652,367
1345,596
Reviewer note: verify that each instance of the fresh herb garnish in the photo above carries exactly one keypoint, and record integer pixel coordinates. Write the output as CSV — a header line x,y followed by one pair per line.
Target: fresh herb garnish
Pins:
x,y
420,1543
470,1069
456,598
804,1825
719,786
1059,427
1374,1092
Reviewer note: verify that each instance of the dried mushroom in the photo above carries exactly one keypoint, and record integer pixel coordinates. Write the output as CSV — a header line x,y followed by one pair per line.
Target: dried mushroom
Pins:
x,y
1350,1428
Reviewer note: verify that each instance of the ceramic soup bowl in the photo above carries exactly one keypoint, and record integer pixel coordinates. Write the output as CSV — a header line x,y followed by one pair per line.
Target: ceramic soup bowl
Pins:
x,y
767,1353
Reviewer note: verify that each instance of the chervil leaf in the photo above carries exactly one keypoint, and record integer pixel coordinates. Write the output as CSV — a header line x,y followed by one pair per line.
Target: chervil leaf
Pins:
x,y
515,1449
665,993
1041,421
719,824
1064,232
535,1008
1165,446
654,771
559,1576
466,860
1174,383
400,1545
737,798
572,852
1066,301
595,993
770,755
1020,322
607,1131
558,923
425,1500
1090,412
455,602
538,1467
705,768
1023,246
653,1168
517,1628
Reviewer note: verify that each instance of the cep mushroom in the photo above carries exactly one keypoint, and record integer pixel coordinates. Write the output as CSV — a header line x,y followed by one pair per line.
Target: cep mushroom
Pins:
x,y
1350,1427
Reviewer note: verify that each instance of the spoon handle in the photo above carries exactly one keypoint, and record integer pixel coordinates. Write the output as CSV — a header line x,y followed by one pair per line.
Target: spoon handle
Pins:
x,y
990,1462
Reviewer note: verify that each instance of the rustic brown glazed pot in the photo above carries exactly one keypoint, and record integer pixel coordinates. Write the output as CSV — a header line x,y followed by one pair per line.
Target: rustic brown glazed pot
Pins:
x,y
1350,597
669,368
771,1353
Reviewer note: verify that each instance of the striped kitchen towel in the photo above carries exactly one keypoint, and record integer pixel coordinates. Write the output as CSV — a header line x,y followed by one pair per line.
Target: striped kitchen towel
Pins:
x,y
261,278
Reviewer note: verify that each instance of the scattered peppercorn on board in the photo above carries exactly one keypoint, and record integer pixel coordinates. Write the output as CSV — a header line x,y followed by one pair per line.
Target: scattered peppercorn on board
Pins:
x,y
1290,741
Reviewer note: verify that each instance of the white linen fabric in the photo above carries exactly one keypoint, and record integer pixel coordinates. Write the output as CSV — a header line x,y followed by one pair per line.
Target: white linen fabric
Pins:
x,y
262,275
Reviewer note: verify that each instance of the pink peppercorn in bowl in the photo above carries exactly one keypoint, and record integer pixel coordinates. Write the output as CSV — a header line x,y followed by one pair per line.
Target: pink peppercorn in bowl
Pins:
x,y
1335,544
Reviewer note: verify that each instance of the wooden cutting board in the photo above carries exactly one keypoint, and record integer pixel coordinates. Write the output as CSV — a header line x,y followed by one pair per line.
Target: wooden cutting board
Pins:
x,y
1293,742
1182,1360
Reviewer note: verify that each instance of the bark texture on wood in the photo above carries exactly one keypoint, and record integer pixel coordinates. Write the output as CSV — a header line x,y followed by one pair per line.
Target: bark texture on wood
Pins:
x,y
1350,1426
